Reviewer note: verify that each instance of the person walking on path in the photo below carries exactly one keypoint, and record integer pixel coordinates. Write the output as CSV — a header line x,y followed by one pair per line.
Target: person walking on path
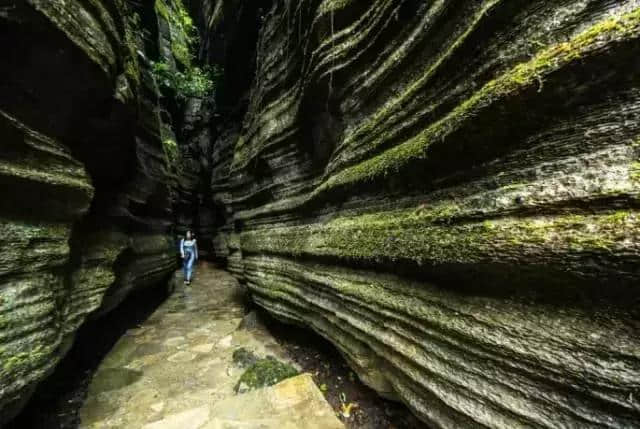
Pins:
x,y
189,253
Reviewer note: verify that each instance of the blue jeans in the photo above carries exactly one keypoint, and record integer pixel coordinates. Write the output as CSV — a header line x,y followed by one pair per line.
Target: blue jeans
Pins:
x,y
187,265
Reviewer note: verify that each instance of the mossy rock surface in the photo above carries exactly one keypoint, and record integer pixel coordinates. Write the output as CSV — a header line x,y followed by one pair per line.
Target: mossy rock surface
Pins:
x,y
63,243
244,358
265,372
449,194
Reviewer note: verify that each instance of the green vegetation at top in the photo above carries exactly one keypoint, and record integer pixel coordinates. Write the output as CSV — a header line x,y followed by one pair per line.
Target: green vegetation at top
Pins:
x,y
185,79
179,19
193,82
184,34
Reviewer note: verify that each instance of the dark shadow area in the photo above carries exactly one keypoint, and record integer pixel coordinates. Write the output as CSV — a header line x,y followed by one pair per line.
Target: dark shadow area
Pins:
x,y
339,384
59,398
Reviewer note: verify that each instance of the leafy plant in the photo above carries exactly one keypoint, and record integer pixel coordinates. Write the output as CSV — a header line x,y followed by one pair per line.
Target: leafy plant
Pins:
x,y
193,82
185,79
186,22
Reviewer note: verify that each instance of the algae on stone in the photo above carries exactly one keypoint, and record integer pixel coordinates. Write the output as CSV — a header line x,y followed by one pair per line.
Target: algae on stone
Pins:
x,y
265,372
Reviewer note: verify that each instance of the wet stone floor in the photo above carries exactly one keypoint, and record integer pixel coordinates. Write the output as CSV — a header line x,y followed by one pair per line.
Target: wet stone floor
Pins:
x,y
176,369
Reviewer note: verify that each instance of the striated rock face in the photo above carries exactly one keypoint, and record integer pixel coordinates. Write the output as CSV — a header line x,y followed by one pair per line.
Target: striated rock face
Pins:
x,y
86,212
448,192
34,249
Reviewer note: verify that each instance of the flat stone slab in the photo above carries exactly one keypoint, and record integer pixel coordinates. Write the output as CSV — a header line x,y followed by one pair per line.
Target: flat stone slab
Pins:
x,y
293,403
190,419
180,372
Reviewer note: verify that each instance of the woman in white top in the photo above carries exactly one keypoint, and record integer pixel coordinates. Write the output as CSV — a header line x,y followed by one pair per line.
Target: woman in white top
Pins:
x,y
189,253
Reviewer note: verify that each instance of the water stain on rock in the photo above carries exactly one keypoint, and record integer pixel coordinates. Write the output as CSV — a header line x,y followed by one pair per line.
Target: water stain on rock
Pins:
x,y
114,378
147,349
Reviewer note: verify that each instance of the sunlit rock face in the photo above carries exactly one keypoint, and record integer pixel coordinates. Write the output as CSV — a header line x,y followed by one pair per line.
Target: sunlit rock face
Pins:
x,y
448,191
86,207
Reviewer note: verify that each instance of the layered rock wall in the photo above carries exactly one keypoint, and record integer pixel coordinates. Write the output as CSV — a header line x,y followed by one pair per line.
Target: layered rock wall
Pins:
x,y
448,191
88,192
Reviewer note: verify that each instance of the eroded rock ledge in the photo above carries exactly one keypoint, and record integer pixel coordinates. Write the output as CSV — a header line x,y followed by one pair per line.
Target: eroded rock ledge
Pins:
x,y
448,192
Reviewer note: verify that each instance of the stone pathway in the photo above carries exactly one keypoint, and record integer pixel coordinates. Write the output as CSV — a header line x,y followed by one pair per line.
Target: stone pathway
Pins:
x,y
176,369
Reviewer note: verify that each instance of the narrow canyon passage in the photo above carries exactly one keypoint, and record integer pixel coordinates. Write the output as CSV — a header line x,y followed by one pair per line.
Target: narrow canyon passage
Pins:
x,y
172,357
177,371
442,194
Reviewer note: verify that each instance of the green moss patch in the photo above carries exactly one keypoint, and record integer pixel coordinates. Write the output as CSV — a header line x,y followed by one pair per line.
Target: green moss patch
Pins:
x,y
24,361
635,172
407,236
263,373
184,34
